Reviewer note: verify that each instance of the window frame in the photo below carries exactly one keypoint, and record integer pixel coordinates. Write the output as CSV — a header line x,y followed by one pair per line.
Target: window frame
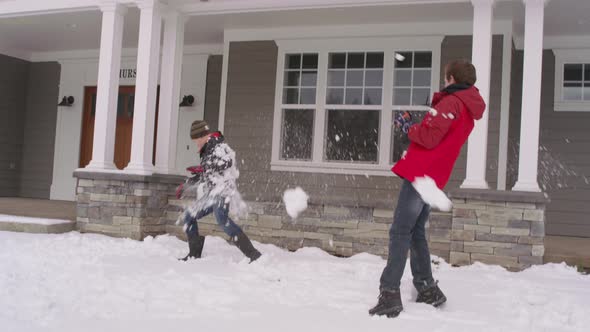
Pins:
x,y
563,57
389,46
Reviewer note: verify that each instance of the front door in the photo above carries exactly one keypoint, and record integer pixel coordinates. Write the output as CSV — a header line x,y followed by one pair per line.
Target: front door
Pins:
x,y
124,128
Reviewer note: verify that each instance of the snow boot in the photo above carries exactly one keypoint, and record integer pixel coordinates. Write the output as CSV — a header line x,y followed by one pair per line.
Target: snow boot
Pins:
x,y
432,295
389,304
195,247
245,245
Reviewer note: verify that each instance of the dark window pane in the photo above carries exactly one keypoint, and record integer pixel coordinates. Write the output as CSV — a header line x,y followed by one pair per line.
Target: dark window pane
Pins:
x,y
337,60
310,61
354,96
572,91
572,72
401,96
121,105
403,78
422,60
335,97
290,96
374,78
93,101
587,72
421,77
374,60
403,59
400,140
336,78
297,133
421,96
309,78
293,61
356,60
373,96
353,135
130,105
307,96
354,78
292,78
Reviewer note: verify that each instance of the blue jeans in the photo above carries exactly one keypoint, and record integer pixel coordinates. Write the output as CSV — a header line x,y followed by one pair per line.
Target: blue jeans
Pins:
x,y
221,210
408,232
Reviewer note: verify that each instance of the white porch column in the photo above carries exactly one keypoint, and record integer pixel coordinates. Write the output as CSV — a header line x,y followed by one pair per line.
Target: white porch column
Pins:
x,y
170,92
109,63
481,57
142,139
531,96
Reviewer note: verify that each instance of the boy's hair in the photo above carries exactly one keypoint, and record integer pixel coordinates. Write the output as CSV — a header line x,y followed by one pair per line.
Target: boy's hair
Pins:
x,y
462,70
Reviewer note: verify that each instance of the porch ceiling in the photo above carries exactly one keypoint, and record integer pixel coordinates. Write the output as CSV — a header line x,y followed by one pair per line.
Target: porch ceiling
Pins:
x,y
81,30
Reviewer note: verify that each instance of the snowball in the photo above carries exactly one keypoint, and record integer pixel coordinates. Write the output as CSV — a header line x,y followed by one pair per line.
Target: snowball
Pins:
x,y
337,138
295,201
433,112
399,57
431,194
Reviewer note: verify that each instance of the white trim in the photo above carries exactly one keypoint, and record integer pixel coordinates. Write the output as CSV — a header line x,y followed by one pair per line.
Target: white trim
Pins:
x,y
93,54
388,46
563,56
400,30
504,111
223,92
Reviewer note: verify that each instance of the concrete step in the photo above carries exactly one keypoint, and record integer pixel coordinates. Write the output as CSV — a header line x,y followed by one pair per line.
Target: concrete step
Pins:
x,y
12,223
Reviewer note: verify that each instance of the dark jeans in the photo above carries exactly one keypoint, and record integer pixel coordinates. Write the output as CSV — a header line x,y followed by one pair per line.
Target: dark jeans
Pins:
x,y
221,210
408,233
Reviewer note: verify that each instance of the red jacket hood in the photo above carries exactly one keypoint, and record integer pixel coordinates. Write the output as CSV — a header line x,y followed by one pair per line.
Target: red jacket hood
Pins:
x,y
473,101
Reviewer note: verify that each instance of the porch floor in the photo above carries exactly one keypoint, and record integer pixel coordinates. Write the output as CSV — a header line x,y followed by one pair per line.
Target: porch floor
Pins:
x,y
572,250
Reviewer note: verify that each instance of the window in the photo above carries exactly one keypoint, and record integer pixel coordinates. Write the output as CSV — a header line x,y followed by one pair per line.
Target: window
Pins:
x,y
572,80
336,100
298,105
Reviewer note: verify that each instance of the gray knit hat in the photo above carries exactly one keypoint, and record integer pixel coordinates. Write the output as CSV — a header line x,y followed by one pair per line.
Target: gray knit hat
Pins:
x,y
199,128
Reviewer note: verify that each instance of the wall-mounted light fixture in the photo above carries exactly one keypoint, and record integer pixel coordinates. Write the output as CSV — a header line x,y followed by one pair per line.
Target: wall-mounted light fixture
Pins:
x,y
187,101
66,101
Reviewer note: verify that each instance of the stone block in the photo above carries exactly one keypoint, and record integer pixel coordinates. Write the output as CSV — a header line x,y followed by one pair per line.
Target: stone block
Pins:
x,y
515,251
366,234
330,230
505,261
496,237
336,211
478,250
530,260
93,213
344,252
316,236
495,204
534,215
445,246
440,220
537,228
290,234
457,226
511,231
108,198
491,244
439,235
82,220
538,250
342,244
457,246
383,213
83,198
270,221
531,240
383,220
345,224
85,183
519,224
459,258
464,221
142,192
462,235
119,220
478,228
498,217
528,206
362,226
464,213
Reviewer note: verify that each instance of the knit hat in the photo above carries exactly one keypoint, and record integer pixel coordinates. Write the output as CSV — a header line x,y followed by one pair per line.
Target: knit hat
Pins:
x,y
199,128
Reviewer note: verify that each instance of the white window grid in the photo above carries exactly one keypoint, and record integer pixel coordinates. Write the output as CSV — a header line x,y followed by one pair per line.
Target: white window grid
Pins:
x,y
345,87
584,82
412,85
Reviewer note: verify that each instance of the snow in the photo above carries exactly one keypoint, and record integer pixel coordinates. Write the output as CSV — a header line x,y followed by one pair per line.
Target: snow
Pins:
x,y
31,220
399,57
87,282
431,194
337,138
295,201
433,112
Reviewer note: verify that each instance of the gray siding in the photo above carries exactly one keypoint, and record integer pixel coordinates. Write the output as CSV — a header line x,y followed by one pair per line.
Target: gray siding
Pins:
x,y
248,128
454,47
564,159
13,94
213,90
39,132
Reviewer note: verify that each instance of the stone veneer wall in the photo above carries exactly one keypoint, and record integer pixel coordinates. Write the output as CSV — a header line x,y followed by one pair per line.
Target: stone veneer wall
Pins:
x,y
503,228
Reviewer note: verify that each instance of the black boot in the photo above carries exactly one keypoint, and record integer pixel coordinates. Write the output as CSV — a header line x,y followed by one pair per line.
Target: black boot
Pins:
x,y
195,247
389,304
243,243
432,295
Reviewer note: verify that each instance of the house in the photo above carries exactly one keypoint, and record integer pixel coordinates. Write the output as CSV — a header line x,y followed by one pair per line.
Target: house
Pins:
x,y
305,91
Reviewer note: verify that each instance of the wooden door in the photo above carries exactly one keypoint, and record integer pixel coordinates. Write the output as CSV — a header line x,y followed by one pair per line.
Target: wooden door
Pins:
x,y
124,126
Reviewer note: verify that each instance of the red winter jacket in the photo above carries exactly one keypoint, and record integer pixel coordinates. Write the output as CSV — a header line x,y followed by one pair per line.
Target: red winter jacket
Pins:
x,y
436,142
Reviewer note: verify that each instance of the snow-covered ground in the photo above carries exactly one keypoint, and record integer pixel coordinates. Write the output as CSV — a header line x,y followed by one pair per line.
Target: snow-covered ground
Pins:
x,y
74,282
31,220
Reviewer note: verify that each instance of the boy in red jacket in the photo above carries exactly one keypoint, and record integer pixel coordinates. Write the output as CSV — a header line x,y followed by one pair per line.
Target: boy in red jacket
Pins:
x,y
435,144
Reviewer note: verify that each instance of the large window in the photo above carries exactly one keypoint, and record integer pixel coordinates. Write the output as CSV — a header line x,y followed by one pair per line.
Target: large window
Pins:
x,y
336,101
572,80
